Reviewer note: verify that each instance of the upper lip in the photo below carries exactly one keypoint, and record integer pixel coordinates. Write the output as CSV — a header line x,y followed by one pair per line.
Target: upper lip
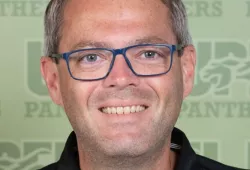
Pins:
x,y
117,103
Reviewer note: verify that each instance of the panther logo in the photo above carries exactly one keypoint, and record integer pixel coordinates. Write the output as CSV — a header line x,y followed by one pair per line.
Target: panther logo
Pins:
x,y
221,73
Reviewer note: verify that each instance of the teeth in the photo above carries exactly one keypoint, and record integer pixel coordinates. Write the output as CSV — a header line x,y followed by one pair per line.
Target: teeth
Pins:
x,y
132,109
137,109
126,110
109,110
119,110
113,110
123,110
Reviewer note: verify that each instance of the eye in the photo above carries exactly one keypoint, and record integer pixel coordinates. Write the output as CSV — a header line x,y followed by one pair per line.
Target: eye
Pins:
x,y
90,58
150,54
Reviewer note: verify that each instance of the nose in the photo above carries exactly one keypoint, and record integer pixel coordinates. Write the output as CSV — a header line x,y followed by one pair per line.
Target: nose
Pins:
x,y
121,75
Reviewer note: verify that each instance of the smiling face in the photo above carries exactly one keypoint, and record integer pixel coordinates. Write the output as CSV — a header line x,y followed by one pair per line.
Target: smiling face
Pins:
x,y
150,105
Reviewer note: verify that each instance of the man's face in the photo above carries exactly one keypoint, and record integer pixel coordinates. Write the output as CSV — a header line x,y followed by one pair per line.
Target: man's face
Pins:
x,y
117,24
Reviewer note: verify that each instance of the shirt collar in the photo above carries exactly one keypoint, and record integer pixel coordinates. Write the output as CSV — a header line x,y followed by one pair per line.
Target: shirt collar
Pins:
x,y
69,159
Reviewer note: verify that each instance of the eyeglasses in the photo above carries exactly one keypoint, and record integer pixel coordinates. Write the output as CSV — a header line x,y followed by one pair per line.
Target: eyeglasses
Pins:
x,y
96,63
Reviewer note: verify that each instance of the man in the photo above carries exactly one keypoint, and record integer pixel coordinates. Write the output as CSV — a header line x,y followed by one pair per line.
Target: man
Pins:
x,y
121,69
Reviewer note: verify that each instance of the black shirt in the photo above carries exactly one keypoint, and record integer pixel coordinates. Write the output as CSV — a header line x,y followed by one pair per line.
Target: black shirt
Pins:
x,y
187,160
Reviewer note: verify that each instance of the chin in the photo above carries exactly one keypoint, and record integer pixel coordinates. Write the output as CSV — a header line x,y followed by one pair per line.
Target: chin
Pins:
x,y
125,146
125,150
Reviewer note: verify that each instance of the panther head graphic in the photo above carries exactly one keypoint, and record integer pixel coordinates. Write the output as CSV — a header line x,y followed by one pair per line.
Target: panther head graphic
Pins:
x,y
221,73
243,72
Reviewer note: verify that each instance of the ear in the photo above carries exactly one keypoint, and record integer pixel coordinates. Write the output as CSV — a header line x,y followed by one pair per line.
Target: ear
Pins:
x,y
50,74
188,62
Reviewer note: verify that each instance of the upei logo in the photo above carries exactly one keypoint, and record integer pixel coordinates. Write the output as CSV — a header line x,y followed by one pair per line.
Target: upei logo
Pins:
x,y
220,64
208,149
34,80
29,155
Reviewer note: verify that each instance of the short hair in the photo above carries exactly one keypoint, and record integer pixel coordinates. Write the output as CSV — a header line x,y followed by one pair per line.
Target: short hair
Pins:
x,y
53,20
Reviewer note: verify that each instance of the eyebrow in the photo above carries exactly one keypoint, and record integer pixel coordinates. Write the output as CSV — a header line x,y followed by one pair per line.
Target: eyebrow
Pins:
x,y
100,44
152,39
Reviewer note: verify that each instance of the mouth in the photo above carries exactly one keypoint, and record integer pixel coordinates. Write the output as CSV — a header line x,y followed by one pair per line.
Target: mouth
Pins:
x,y
123,110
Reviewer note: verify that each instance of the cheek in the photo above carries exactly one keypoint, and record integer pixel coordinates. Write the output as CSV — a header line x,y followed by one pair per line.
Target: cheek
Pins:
x,y
75,93
176,78
169,89
75,96
81,92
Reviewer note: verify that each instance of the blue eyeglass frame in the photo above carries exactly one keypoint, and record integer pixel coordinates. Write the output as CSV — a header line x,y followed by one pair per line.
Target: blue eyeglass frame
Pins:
x,y
116,52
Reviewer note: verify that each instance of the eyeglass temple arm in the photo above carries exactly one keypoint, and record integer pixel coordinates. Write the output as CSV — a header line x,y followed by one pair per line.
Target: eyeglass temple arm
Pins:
x,y
179,47
56,56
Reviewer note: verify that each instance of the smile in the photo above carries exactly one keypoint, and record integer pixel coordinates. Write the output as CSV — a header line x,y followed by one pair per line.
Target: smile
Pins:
x,y
123,110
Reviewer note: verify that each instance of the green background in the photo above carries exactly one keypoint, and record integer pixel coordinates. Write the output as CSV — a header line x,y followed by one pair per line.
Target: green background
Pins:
x,y
216,117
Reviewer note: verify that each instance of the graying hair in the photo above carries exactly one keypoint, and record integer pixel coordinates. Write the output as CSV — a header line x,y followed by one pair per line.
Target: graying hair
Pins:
x,y
53,20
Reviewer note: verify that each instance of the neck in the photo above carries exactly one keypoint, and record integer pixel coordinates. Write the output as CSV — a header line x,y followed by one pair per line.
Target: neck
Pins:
x,y
163,159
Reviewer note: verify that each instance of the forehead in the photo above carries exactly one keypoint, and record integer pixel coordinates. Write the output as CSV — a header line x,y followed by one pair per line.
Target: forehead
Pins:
x,y
120,7
89,20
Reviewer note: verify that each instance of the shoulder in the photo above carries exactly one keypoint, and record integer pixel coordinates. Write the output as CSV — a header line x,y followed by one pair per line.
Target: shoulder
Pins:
x,y
52,166
205,163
